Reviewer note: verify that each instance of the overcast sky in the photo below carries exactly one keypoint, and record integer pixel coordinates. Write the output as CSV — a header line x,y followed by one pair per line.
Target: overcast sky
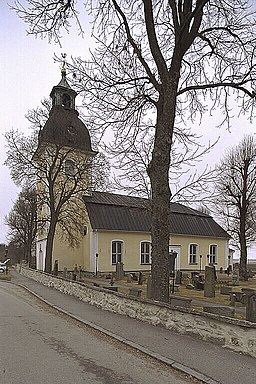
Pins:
x,y
27,75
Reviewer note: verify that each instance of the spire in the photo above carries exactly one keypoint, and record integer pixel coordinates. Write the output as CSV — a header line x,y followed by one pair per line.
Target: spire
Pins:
x,y
62,94
63,82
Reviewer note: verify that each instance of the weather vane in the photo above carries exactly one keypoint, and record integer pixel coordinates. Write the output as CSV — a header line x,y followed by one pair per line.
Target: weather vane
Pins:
x,y
63,66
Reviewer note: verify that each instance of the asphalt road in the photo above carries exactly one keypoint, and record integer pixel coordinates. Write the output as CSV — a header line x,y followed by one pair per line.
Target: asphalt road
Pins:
x,y
40,345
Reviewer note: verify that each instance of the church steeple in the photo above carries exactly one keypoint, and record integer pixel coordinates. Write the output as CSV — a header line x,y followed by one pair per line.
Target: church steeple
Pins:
x,y
63,126
62,95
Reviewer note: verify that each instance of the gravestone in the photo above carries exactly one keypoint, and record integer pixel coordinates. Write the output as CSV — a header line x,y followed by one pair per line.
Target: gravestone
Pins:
x,y
65,272
129,278
140,279
209,284
225,290
149,285
119,271
178,279
251,308
55,268
79,273
235,277
136,292
220,310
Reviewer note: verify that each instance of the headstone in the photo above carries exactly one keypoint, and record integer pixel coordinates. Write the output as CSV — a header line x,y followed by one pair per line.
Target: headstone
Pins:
x,y
225,290
135,292
235,278
220,310
140,280
119,271
75,272
149,286
79,273
55,268
178,279
209,284
129,278
177,301
251,308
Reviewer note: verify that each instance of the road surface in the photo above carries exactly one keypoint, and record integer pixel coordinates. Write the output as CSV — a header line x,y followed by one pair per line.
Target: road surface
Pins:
x,y
40,345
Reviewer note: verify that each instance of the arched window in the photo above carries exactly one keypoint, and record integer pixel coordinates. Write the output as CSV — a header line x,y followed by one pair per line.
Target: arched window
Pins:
x,y
193,253
66,100
145,252
213,254
117,251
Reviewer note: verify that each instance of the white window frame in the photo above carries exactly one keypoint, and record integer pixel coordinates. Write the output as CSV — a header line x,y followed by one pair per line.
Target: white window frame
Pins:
x,y
145,255
213,257
193,257
116,254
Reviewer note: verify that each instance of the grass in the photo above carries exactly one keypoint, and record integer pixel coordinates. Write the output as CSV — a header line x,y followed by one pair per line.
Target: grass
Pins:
x,y
5,277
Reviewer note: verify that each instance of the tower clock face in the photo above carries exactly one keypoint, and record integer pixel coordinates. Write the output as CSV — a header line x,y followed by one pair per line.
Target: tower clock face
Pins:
x,y
71,130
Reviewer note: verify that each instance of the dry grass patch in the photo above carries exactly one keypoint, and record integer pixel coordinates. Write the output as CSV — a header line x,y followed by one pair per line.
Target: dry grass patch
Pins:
x,y
5,277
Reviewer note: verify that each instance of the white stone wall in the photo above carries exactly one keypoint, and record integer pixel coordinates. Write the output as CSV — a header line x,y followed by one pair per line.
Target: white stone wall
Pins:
x,y
231,333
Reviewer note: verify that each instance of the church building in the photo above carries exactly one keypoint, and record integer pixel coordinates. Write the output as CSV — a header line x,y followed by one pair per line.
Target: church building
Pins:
x,y
110,228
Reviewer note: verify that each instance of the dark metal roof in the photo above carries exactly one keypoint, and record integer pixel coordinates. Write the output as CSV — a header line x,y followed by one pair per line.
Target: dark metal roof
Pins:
x,y
108,211
65,128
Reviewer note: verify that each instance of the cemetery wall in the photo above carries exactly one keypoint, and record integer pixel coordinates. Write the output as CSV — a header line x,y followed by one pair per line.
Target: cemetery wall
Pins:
x,y
234,334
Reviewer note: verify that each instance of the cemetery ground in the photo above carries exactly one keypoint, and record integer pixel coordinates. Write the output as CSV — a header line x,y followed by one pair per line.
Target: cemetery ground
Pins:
x,y
184,290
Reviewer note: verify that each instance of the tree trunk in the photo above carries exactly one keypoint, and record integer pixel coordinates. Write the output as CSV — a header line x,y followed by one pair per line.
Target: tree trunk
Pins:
x,y
243,219
49,248
159,176
243,257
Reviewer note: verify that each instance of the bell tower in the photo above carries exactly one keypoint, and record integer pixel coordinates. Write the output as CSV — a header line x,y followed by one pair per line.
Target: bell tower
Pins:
x,y
64,155
63,127
62,95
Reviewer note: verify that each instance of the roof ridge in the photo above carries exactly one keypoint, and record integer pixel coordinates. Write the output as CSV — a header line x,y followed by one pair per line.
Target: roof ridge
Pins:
x,y
115,199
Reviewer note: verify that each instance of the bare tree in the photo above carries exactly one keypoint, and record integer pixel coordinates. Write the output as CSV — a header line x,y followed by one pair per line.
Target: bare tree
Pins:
x,y
187,175
61,177
236,185
161,61
22,222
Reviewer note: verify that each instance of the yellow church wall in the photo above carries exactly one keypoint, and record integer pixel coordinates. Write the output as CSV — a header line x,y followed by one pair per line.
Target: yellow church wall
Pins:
x,y
100,242
67,257
203,249
131,250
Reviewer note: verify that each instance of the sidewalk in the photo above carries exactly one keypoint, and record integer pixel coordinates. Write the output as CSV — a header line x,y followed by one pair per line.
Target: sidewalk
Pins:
x,y
209,362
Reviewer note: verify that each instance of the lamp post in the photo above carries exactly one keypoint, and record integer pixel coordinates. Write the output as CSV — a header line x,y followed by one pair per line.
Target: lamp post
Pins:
x,y
172,257
228,269
96,264
200,263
